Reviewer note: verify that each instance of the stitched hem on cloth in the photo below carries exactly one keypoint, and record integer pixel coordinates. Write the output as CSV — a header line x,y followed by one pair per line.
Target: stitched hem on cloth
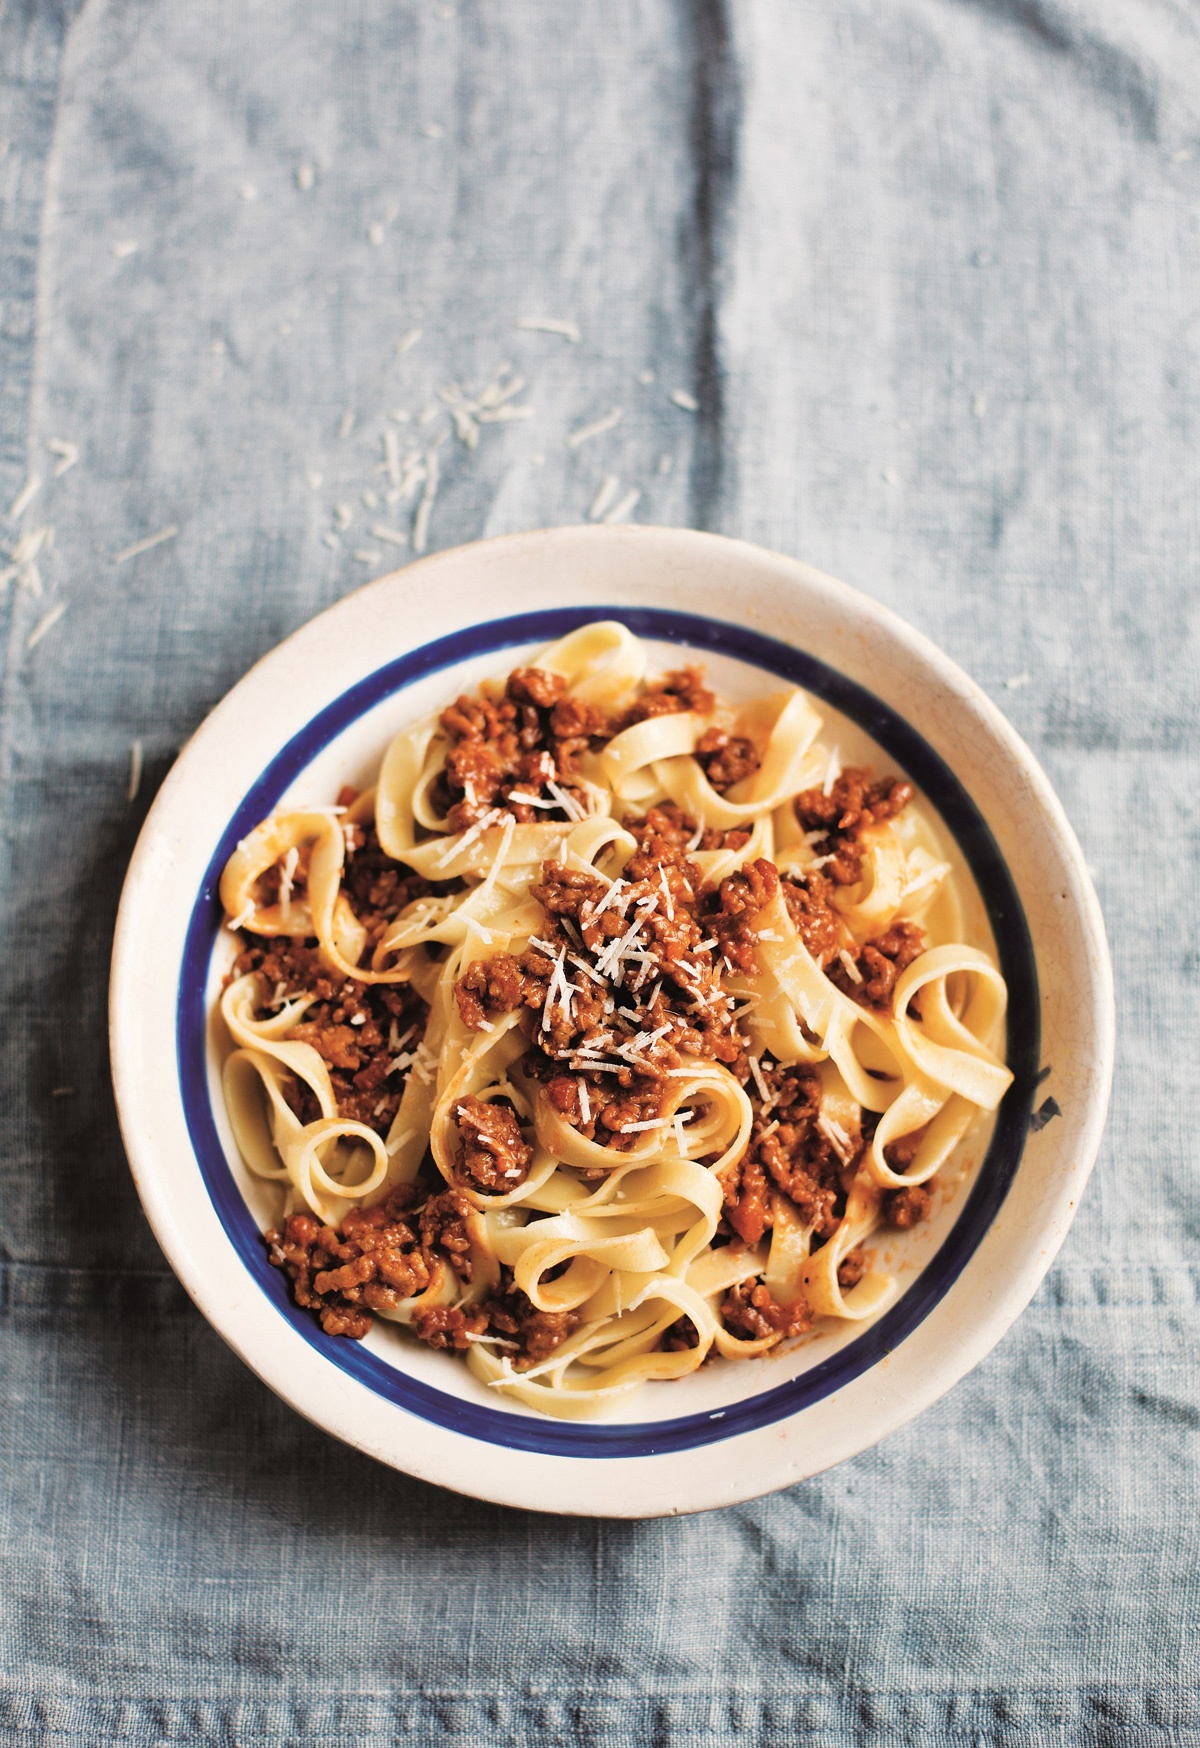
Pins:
x,y
1097,1714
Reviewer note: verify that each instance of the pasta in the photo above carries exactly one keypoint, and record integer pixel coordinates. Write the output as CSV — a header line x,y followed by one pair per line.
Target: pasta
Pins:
x,y
602,1033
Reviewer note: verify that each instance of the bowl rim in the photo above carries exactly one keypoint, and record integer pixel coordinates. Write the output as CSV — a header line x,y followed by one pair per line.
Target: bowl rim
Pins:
x,y
274,1360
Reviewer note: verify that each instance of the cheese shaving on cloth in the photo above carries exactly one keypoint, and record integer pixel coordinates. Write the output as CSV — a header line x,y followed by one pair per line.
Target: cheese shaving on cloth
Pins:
x,y
605,1031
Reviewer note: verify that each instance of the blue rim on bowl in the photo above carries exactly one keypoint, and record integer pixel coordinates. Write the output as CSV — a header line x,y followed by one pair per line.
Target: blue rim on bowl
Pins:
x,y
997,889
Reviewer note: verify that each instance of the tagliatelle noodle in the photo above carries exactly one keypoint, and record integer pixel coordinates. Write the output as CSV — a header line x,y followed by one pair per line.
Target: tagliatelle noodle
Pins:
x,y
623,1241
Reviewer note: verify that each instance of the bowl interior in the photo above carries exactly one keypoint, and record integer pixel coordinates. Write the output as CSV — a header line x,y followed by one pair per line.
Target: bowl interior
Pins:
x,y
343,743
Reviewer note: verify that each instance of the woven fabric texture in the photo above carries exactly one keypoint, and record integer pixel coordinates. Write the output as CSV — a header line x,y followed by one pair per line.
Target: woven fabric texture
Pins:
x,y
923,278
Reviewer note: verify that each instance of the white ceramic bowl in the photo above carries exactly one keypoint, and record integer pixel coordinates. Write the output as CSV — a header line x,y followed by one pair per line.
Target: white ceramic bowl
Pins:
x,y
317,712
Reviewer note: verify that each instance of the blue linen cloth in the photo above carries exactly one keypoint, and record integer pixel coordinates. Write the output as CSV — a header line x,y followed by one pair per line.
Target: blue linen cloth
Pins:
x,y
923,278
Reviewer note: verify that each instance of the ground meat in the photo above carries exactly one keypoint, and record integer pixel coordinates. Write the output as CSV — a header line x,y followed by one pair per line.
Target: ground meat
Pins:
x,y
573,728
679,1336
377,888
372,1264
854,802
509,1322
807,897
748,1200
900,1154
907,1207
640,1102
496,986
443,1224
450,1325
790,1155
528,738
353,1027
683,689
879,964
526,1334
749,1311
726,759
535,686
493,1155
736,923
853,1266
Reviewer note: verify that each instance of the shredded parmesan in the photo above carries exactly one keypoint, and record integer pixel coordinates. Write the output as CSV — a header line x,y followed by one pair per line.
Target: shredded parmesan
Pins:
x,y
24,497
837,1137
566,802
140,546
606,495
44,625
390,536
683,399
550,325
585,1103
492,817
420,535
623,510
68,455
287,877
833,771
848,965
595,429
135,771
126,247
407,341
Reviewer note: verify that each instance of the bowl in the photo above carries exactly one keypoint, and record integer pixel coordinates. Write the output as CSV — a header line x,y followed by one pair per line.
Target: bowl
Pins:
x,y
317,712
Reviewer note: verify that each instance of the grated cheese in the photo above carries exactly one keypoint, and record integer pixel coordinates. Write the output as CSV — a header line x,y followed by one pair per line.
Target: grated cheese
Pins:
x,y
606,494
126,247
420,536
491,817
390,536
848,965
406,343
760,1083
68,455
140,546
550,325
24,497
566,802
622,511
44,625
683,399
595,429
287,878
833,771
837,1138
365,555
135,771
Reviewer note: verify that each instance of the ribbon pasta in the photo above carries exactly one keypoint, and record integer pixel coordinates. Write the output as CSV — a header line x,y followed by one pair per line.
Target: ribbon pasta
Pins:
x,y
568,957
